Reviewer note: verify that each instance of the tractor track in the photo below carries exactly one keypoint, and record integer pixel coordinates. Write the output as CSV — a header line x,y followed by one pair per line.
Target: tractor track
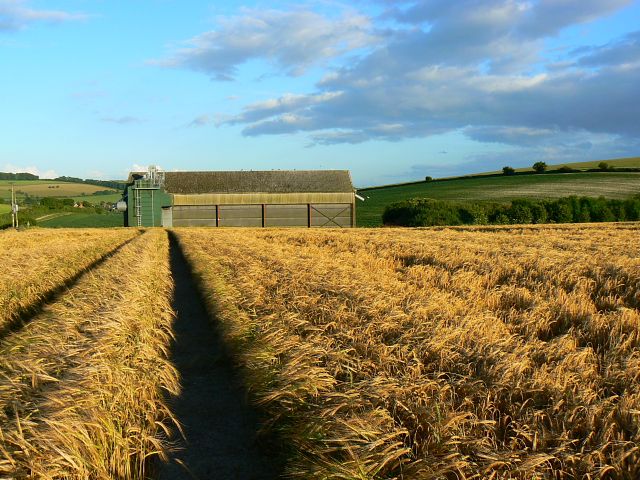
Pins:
x,y
220,429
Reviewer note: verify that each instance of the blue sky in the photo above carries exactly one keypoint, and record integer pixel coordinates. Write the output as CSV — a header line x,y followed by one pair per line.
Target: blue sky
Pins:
x,y
391,90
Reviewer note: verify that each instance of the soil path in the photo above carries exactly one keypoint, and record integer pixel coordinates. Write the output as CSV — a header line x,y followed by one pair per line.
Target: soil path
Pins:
x,y
220,428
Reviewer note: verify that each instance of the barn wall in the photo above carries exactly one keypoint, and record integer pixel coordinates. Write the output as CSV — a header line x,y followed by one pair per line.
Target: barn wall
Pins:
x,y
194,216
331,215
268,215
286,216
240,215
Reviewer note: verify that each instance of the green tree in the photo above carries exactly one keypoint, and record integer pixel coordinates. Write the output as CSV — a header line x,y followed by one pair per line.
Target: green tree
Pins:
x,y
539,167
520,212
604,166
538,213
508,171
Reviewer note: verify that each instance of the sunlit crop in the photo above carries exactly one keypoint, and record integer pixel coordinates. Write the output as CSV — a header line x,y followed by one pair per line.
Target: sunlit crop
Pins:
x,y
441,353
36,263
82,384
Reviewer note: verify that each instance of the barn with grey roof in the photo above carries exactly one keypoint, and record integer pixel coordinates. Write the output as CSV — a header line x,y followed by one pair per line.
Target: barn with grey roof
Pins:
x,y
275,198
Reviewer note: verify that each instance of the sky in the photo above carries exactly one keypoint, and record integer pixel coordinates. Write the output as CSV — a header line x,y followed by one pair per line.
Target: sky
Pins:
x,y
391,90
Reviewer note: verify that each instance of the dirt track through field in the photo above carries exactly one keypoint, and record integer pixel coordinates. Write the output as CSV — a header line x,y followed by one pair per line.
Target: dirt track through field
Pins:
x,y
219,426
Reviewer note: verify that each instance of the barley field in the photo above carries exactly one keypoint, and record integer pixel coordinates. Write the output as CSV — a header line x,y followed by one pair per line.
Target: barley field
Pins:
x,y
82,384
37,264
440,353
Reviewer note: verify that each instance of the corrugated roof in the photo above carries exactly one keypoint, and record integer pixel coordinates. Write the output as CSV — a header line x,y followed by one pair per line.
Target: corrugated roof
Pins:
x,y
272,181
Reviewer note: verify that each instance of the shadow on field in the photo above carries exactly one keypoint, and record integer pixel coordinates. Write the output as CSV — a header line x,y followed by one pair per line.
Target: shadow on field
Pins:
x,y
220,428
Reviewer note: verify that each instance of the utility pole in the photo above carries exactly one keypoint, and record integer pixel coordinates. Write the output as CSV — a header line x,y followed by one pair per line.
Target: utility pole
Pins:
x,y
13,215
14,209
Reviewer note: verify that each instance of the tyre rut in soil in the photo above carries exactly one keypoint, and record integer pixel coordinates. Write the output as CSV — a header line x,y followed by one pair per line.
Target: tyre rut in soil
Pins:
x,y
220,427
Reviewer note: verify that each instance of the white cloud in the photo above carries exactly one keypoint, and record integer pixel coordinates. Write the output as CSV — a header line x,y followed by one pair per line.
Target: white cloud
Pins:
x,y
479,67
200,121
97,175
16,14
475,68
124,120
291,41
136,168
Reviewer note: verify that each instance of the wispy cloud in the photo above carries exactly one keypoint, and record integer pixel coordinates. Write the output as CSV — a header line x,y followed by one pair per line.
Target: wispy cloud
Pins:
x,y
290,41
17,14
474,66
125,120
201,121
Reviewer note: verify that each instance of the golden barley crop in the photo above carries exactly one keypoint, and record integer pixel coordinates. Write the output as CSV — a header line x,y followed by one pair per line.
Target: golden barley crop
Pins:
x,y
82,384
37,262
438,353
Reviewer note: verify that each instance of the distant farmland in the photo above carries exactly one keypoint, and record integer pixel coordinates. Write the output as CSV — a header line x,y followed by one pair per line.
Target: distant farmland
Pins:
x,y
499,189
49,188
111,197
630,162
83,220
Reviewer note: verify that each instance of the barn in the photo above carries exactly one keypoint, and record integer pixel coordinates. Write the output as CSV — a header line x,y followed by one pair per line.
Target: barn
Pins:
x,y
274,198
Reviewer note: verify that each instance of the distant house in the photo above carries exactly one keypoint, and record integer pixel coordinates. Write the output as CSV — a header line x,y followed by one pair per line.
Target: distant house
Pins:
x,y
278,198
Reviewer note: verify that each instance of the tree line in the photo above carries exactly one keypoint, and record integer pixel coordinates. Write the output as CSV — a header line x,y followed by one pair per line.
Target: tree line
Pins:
x,y
18,176
424,212
115,184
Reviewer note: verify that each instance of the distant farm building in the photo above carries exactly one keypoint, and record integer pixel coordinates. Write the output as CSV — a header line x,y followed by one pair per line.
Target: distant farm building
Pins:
x,y
299,198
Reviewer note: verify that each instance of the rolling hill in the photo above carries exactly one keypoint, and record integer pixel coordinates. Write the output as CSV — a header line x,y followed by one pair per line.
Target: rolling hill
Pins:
x,y
628,162
499,189
49,188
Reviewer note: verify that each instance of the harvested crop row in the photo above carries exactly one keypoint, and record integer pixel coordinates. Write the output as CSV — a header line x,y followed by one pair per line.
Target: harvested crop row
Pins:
x,y
374,366
81,385
37,262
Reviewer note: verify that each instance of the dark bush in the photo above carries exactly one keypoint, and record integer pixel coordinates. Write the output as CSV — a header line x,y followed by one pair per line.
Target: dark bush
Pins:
x,y
600,211
422,212
508,171
539,167
538,213
473,214
52,203
632,209
24,219
520,212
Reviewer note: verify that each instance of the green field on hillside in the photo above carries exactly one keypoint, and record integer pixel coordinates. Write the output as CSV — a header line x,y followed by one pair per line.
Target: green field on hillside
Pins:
x,y
4,208
629,162
614,162
84,220
48,188
499,189
96,199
